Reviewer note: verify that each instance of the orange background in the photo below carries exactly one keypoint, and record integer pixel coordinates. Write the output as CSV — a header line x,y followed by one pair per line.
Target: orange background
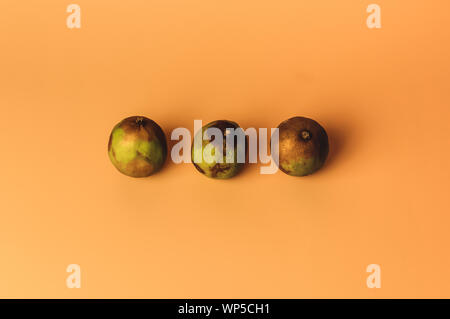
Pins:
x,y
383,95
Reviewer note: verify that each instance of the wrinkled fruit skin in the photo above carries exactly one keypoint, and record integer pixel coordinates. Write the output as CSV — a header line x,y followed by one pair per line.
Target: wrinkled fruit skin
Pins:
x,y
217,170
303,146
137,146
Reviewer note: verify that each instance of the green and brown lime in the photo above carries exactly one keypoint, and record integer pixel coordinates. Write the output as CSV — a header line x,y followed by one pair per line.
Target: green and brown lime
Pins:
x,y
209,166
303,146
137,146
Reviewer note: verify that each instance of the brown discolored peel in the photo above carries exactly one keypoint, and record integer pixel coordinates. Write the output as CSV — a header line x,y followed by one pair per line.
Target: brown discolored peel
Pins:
x,y
219,168
199,168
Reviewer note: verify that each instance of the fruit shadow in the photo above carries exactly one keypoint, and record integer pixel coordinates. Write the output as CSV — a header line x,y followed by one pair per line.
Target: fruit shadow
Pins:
x,y
170,143
339,136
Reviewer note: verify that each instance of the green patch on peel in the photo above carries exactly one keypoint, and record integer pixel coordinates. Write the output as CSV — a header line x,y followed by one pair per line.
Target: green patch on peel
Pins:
x,y
151,151
127,150
300,167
